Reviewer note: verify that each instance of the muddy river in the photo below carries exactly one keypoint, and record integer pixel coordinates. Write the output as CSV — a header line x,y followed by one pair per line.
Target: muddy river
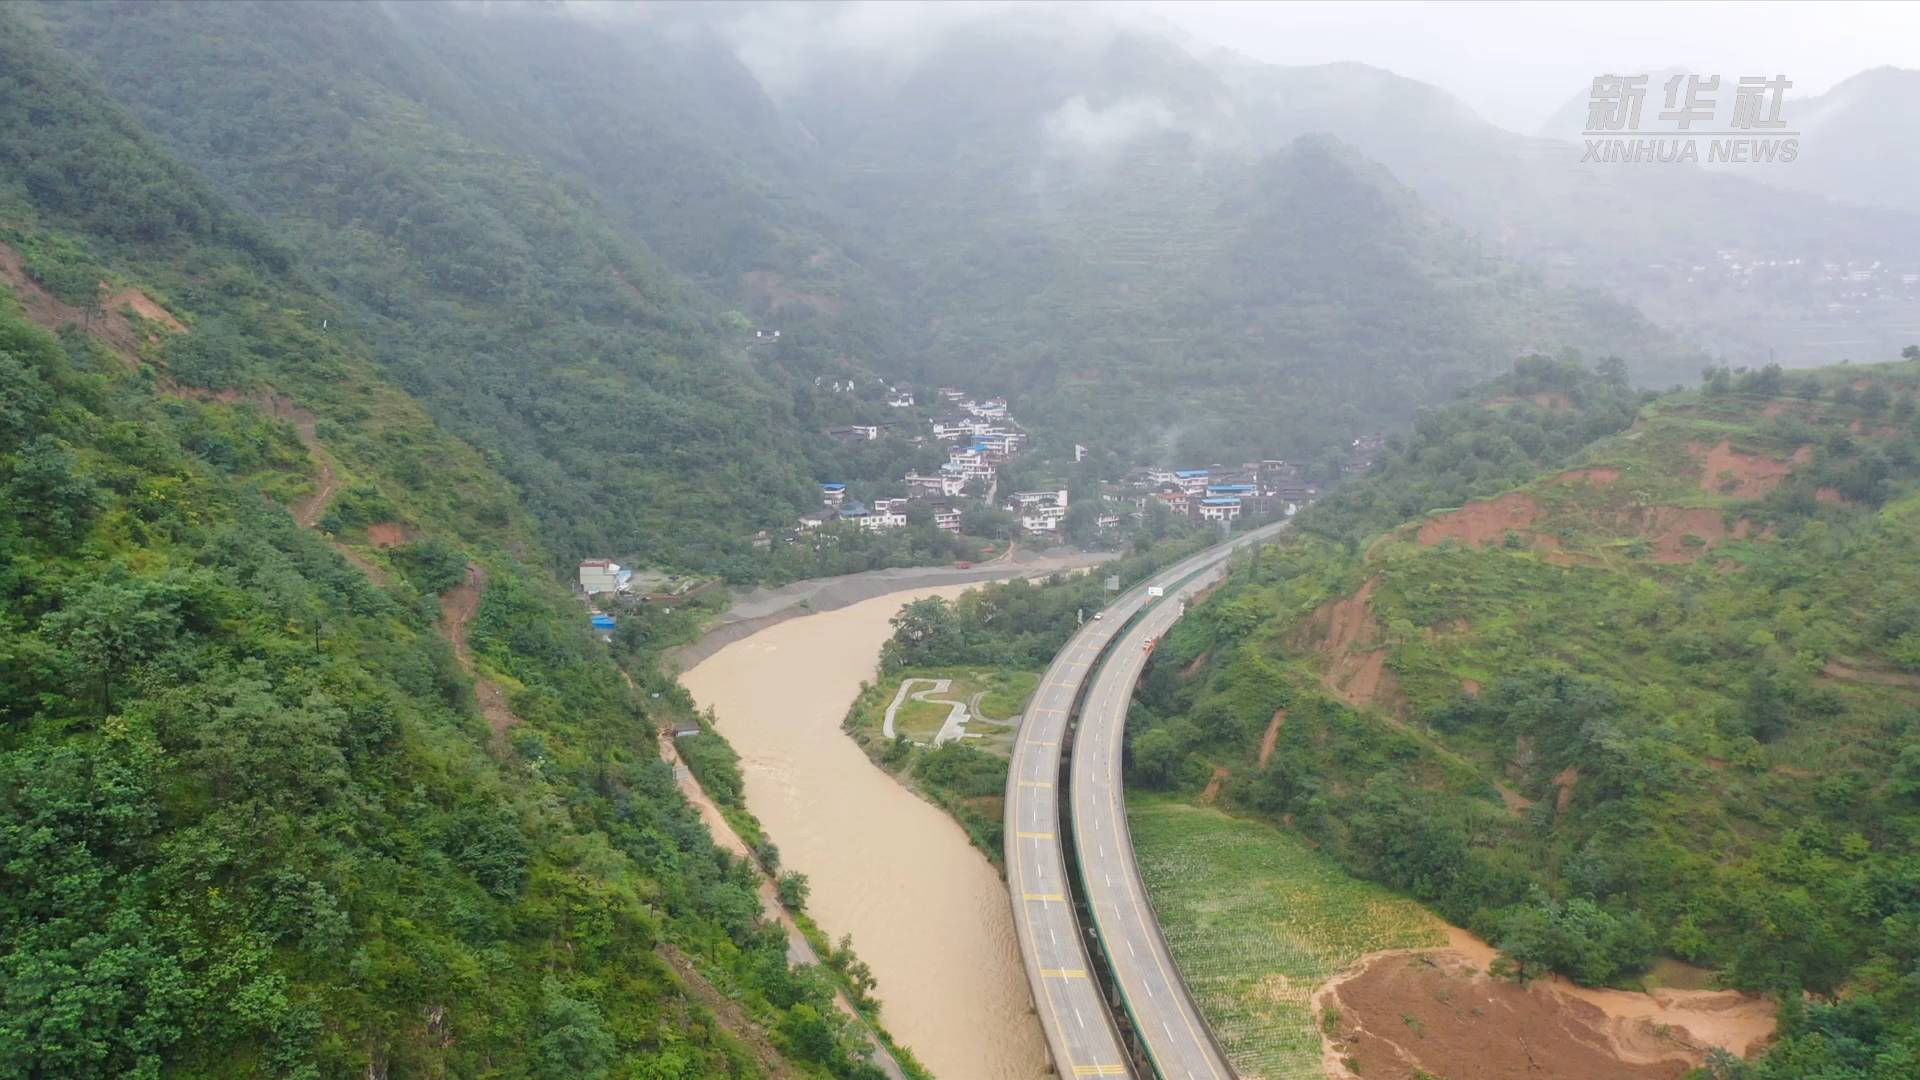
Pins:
x,y
927,912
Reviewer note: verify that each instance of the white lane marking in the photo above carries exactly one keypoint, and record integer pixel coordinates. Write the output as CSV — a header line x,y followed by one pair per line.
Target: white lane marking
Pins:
x,y
1130,951
1083,1020
1050,936
1149,987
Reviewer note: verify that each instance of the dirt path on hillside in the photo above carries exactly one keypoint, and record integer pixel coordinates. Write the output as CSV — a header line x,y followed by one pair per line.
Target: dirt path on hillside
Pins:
x,y
1407,1013
1272,735
732,1017
458,606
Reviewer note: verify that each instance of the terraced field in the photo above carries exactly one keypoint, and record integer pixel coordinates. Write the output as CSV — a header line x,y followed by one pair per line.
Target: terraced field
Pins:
x,y
1257,920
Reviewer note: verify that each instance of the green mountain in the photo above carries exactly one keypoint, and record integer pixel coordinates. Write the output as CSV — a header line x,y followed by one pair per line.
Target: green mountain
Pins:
x,y
1605,680
615,396
999,213
254,817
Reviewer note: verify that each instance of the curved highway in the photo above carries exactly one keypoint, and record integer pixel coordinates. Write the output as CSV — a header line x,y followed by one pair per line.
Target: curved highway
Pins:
x,y
1080,1030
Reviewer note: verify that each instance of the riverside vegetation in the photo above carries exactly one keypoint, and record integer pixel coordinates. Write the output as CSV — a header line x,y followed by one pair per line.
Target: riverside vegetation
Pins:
x,y
1001,636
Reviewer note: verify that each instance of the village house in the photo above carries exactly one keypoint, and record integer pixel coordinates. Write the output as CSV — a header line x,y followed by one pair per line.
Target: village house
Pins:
x,y
1230,491
1218,509
1039,511
883,514
1191,481
948,484
833,494
1023,500
899,399
1173,499
946,519
602,576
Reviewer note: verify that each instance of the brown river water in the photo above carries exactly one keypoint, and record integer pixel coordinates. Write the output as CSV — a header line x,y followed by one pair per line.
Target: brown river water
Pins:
x,y
927,912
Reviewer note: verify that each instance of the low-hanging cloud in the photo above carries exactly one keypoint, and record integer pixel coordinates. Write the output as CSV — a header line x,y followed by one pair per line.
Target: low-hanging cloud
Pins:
x,y
1080,127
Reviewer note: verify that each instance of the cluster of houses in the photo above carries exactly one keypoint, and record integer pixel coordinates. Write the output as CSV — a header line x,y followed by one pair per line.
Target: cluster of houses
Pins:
x,y
1217,493
979,435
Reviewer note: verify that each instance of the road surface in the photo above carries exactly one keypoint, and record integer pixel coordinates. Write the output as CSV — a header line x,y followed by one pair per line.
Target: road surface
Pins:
x,y
1080,1031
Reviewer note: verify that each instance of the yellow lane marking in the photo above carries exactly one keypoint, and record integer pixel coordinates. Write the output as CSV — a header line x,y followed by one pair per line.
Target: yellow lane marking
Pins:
x,y
1044,896
1034,835
1035,783
1099,1070
1063,973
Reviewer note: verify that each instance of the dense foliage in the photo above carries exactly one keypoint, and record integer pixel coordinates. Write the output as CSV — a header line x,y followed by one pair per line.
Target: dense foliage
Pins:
x,y
1659,703
251,819
621,403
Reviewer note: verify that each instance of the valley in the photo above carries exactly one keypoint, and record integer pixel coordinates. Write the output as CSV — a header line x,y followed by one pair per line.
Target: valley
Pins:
x,y
844,541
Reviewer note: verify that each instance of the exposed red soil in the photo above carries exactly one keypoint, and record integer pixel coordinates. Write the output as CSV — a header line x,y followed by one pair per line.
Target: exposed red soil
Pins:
x,y
457,608
1874,674
1211,793
110,325
1434,1013
1568,779
1667,529
1547,399
1346,632
387,534
1482,521
128,337
1830,496
1187,672
1470,687
1727,471
1597,477
1272,735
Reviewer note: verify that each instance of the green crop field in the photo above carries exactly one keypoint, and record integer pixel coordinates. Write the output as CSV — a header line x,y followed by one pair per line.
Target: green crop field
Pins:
x,y
1257,921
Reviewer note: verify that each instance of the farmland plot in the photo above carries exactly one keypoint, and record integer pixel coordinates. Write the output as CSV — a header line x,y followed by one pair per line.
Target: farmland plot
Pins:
x,y
1257,920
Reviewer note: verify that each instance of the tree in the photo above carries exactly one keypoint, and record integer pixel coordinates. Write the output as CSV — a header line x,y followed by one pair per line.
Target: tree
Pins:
x,y
571,1040
47,483
793,889
106,627
1157,757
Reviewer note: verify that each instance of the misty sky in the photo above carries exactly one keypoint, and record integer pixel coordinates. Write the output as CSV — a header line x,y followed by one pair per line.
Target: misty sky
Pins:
x,y
1515,63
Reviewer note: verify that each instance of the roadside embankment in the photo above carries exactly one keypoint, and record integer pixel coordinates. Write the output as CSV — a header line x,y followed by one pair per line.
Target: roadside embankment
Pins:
x,y
754,610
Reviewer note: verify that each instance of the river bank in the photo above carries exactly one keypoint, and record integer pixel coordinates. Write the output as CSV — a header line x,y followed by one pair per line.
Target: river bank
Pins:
x,y
753,610
927,912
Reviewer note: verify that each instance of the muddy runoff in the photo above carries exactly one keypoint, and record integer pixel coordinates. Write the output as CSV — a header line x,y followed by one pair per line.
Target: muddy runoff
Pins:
x,y
926,910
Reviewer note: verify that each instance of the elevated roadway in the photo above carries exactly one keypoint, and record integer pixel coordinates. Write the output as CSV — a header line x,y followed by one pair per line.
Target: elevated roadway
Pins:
x,y
1087,1033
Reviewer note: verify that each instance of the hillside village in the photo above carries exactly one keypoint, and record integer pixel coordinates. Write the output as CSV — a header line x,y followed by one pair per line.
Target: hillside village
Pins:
x,y
979,439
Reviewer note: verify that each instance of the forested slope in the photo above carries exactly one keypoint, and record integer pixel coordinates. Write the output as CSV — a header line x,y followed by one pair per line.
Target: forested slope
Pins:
x,y
607,388
991,210
252,820
1605,684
